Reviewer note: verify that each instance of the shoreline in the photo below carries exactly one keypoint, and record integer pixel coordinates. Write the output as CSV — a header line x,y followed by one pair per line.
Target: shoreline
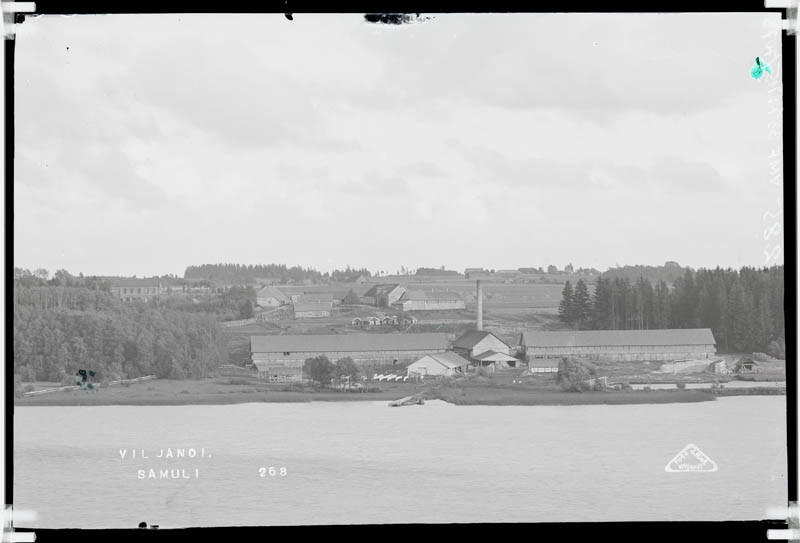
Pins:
x,y
211,392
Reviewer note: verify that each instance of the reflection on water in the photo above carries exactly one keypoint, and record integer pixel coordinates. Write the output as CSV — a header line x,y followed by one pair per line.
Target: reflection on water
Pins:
x,y
362,462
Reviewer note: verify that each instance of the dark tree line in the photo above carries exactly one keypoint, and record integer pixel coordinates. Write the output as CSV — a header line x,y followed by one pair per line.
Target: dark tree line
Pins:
x,y
436,271
244,274
59,330
744,308
668,273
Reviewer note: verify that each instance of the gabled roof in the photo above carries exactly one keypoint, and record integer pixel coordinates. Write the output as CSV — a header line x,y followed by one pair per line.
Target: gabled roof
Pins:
x,y
270,291
448,359
348,342
594,338
494,356
385,287
470,339
312,306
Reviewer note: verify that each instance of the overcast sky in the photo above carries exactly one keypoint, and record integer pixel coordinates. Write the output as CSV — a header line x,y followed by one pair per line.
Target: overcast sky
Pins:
x,y
148,143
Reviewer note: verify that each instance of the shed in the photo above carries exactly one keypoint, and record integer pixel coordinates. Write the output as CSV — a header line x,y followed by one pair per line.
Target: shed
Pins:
x,y
440,364
498,359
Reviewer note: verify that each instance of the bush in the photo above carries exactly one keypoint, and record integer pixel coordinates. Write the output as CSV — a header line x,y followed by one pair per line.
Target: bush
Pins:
x,y
681,385
28,388
573,374
777,349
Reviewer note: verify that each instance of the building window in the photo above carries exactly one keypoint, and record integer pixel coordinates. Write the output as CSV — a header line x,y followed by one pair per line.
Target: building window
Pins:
x,y
286,353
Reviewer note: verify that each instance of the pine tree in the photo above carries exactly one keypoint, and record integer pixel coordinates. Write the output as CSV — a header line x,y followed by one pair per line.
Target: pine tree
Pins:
x,y
581,304
565,311
602,305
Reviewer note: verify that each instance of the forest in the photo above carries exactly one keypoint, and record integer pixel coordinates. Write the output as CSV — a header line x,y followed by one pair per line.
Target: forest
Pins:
x,y
60,330
244,274
744,308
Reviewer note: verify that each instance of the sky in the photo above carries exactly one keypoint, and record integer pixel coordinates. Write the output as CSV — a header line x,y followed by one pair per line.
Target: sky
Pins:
x,y
148,143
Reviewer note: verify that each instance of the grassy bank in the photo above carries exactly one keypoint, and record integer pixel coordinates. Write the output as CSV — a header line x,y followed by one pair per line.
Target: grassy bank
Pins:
x,y
218,391
222,391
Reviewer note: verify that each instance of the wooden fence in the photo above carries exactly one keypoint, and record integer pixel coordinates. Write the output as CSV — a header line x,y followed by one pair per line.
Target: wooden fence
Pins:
x,y
71,387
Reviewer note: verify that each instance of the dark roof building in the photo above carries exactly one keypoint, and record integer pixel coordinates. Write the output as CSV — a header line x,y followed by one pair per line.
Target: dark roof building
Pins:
x,y
484,348
282,356
620,344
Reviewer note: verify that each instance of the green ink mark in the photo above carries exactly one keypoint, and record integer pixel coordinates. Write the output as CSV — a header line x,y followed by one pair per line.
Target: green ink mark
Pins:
x,y
758,70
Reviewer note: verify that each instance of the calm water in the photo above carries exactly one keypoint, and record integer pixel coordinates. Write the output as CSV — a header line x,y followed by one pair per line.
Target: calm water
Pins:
x,y
352,463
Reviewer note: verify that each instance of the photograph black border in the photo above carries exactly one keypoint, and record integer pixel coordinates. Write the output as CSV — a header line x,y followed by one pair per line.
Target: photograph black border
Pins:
x,y
616,531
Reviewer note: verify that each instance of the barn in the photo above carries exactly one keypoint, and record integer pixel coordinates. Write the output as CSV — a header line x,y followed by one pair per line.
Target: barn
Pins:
x,y
439,364
270,296
312,310
620,345
383,294
484,349
284,355
418,300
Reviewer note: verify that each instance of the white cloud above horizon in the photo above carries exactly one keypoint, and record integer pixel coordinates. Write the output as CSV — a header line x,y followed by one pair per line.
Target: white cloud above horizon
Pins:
x,y
467,140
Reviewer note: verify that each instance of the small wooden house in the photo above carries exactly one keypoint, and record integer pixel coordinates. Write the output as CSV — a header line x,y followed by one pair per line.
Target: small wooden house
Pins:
x,y
746,365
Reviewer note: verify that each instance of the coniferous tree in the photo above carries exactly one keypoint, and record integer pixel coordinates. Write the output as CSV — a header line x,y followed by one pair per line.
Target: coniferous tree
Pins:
x,y
602,305
565,308
581,304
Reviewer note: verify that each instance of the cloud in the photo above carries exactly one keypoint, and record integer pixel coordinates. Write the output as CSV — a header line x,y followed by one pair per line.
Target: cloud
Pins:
x,y
662,174
422,169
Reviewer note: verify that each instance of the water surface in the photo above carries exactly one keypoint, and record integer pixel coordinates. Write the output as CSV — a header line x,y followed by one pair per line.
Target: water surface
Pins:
x,y
363,462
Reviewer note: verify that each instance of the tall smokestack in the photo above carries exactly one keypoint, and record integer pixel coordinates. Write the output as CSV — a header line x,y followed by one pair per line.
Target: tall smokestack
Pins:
x,y
480,306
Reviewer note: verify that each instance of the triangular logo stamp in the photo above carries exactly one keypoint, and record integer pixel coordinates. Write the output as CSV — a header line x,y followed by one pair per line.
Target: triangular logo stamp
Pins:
x,y
691,458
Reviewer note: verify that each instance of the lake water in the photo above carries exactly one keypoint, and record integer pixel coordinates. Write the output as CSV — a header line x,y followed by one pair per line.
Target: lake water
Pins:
x,y
363,462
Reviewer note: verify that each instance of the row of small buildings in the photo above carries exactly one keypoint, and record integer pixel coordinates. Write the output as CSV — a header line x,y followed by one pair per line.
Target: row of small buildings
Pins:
x,y
281,357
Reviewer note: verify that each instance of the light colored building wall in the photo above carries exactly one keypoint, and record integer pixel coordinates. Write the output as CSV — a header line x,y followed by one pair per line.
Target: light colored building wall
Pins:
x,y
430,305
625,353
297,359
311,314
428,366
490,343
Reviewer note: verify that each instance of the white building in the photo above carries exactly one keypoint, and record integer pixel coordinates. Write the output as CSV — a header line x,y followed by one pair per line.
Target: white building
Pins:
x,y
447,363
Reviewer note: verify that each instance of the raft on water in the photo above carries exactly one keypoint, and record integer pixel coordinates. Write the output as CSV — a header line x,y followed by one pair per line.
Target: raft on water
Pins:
x,y
416,399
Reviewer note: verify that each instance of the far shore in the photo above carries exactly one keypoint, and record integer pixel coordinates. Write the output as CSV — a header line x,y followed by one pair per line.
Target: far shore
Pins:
x,y
225,391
